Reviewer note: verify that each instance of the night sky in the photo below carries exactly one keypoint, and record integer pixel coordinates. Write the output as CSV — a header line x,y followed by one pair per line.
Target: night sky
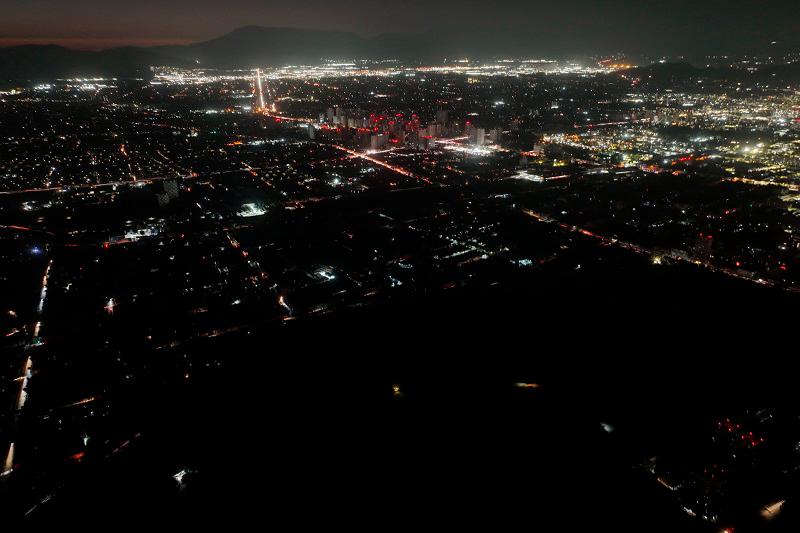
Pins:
x,y
583,26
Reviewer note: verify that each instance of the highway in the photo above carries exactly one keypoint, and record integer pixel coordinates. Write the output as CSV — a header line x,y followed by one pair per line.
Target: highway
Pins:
x,y
640,250
393,168
191,176
764,183
142,181
27,369
8,464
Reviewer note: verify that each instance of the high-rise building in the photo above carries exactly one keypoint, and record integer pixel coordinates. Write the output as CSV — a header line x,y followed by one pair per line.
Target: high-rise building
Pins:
x,y
703,246
433,129
496,136
477,136
425,143
378,141
163,199
171,188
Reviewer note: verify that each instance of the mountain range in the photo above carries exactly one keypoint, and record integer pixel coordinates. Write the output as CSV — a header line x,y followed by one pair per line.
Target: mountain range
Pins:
x,y
253,46
245,47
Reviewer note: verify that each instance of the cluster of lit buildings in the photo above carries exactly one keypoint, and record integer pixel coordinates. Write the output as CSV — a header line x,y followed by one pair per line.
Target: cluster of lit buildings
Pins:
x,y
712,482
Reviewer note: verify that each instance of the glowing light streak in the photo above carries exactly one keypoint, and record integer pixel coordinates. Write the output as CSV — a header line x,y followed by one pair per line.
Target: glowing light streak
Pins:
x,y
260,89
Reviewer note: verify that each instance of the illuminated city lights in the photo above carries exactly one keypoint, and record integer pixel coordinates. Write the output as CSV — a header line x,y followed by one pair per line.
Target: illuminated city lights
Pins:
x,y
491,265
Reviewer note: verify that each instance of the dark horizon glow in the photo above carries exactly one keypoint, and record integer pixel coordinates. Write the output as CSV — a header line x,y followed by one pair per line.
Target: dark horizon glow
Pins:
x,y
670,26
89,43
